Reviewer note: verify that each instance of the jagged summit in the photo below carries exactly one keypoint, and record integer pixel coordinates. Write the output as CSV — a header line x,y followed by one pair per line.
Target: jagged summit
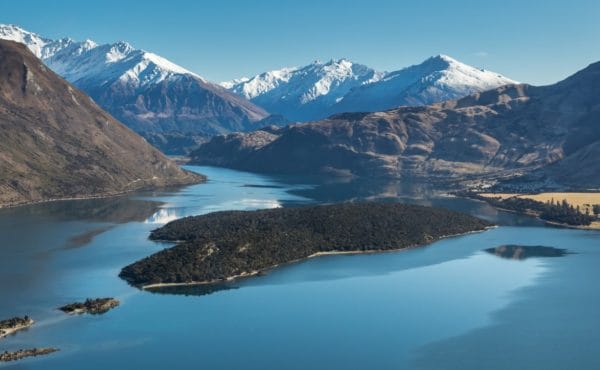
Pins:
x,y
320,89
303,93
147,92
438,78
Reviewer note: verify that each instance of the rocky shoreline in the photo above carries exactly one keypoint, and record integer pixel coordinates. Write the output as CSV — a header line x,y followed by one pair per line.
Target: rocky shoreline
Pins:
x,y
96,306
15,324
10,326
7,356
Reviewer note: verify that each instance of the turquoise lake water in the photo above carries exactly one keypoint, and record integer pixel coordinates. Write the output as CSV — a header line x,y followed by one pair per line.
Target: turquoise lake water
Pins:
x,y
450,305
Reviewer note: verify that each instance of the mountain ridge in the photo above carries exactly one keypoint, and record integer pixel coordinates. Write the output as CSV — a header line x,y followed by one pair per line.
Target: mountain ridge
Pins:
x,y
302,93
319,90
143,90
56,143
482,138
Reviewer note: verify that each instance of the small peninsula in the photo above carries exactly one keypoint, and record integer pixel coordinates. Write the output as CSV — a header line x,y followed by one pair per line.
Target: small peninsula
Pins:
x,y
96,306
223,246
15,324
575,210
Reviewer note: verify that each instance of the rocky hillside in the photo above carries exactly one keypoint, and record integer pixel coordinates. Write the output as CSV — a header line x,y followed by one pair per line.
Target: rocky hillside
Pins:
x,y
55,142
502,132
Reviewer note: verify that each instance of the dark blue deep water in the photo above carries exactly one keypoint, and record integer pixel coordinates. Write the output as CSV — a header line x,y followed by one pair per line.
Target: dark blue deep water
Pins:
x,y
450,305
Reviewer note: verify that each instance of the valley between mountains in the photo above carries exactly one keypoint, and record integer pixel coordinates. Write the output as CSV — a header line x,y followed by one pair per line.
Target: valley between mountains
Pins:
x,y
465,127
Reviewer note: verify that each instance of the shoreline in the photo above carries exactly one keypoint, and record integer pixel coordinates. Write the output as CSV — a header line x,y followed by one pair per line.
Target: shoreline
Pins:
x,y
253,273
10,331
7,356
97,196
537,216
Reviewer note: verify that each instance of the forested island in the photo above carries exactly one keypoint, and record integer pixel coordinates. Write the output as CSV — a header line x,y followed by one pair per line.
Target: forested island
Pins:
x,y
92,306
225,245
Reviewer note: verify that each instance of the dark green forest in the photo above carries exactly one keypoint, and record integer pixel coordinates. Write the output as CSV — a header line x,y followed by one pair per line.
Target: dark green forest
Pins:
x,y
221,245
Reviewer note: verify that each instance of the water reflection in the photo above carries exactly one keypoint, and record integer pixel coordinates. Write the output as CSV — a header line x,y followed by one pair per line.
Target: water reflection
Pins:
x,y
85,237
263,186
447,306
335,268
522,252
409,191
117,210
193,290
346,189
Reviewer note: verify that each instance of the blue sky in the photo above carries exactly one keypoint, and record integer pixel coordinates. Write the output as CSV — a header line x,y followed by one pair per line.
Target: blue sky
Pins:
x,y
539,42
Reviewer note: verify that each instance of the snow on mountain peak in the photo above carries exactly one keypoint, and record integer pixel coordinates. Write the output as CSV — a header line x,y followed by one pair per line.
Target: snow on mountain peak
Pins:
x,y
436,79
15,33
445,58
229,84
322,88
316,84
118,51
167,65
90,62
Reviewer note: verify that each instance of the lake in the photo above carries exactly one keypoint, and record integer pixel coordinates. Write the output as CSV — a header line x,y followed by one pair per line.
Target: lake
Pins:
x,y
450,305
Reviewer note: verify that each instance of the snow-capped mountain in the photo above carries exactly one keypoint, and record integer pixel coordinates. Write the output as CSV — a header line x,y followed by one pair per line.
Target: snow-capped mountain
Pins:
x,y
143,90
437,79
87,63
304,93
321,89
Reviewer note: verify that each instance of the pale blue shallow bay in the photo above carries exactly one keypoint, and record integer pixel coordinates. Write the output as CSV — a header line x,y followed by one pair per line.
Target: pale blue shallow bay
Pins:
x,y
446,306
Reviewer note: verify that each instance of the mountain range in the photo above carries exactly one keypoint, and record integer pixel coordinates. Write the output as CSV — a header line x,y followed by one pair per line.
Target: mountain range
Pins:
x,y
176,109
148,93
319,90
549,132
56,143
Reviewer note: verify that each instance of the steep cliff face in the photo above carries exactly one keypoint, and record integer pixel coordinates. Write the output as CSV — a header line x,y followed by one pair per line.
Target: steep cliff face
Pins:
x,y
55,142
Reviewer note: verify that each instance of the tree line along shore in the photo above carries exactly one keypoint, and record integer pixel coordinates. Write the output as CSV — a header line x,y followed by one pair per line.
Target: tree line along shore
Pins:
x,y
580,210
